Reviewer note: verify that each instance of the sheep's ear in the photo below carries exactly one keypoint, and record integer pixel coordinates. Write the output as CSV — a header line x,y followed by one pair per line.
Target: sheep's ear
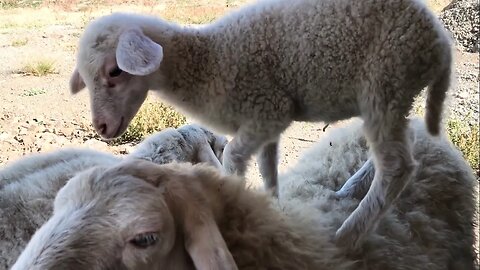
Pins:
x,y
187,197
137,54
76,82
203,240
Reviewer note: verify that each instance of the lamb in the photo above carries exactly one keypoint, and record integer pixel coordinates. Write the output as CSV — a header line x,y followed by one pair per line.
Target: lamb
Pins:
x,y
138,215
28,186
189,143
254,71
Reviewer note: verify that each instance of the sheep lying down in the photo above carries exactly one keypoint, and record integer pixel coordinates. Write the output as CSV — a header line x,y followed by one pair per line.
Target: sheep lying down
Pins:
x,y
29,185
140,215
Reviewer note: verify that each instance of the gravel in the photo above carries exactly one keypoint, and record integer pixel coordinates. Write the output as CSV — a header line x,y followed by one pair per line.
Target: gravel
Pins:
x,y
461,18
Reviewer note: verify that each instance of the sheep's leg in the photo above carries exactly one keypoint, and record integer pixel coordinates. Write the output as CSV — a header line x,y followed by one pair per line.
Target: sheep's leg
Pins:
x,y
359,183
267,160
386,132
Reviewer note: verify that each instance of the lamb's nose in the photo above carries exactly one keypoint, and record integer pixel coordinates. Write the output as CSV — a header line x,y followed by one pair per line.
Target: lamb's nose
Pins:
x,y
100,126
102,129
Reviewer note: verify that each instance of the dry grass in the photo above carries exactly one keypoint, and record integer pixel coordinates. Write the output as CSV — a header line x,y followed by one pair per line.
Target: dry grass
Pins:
x,y
39,68
464,136
467,139
437,5
152,117
19,42
79,13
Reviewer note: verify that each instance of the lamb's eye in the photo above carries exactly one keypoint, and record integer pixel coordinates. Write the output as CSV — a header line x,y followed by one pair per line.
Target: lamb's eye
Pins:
x,y
115,72
145,240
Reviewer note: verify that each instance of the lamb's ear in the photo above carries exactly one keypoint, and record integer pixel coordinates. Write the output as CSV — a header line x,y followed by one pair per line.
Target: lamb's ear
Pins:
x,y
137,54
206,154
76,82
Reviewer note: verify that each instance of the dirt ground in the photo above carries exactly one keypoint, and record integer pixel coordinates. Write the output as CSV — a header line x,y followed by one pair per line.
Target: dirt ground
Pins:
x,y
38,114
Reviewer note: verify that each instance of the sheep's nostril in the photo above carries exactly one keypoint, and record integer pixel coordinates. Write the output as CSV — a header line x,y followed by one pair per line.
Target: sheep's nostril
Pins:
x,y
102,128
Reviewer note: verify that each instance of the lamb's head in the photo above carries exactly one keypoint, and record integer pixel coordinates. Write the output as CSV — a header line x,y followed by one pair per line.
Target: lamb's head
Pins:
x,y
135,215
115,61
208,145
216,141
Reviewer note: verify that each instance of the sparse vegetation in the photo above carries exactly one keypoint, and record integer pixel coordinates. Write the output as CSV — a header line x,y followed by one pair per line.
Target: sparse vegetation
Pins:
x,y
19,42
467,139
7,4
462,134
152,117
33,92
39,68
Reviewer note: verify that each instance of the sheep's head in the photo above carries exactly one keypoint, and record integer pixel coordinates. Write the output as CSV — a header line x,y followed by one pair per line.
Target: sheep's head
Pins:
x,y
135,215
114,61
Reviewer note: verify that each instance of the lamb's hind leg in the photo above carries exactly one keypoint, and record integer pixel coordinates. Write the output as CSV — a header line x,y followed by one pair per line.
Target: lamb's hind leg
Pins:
x,y
359,183
394,164
267,160
247,141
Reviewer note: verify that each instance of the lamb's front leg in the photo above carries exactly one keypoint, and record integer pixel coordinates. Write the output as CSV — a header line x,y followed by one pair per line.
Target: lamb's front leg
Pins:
x,y
267,160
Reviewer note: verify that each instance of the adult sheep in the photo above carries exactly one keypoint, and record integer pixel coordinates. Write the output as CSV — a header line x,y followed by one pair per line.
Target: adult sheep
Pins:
x,y
28,186
254,71
137,215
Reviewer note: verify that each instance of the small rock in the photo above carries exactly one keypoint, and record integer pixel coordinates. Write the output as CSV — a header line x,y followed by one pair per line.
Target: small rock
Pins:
x,y
22,131
96,144
461,19
29,140
4,136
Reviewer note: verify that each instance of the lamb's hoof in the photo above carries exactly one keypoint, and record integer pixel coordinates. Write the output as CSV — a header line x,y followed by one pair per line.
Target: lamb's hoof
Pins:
x,y
341,194
273,192
346,238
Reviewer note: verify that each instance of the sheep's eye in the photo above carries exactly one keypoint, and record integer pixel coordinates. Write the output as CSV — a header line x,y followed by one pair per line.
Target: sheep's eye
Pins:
x,y
115,72
144,240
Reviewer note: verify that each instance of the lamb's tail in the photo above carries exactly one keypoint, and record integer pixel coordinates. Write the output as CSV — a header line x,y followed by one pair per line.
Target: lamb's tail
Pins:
x,y
436,94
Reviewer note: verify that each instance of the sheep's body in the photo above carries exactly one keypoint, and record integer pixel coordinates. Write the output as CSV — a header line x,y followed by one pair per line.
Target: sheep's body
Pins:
x,y
28,186
430,227
27,190
253,72
433,225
